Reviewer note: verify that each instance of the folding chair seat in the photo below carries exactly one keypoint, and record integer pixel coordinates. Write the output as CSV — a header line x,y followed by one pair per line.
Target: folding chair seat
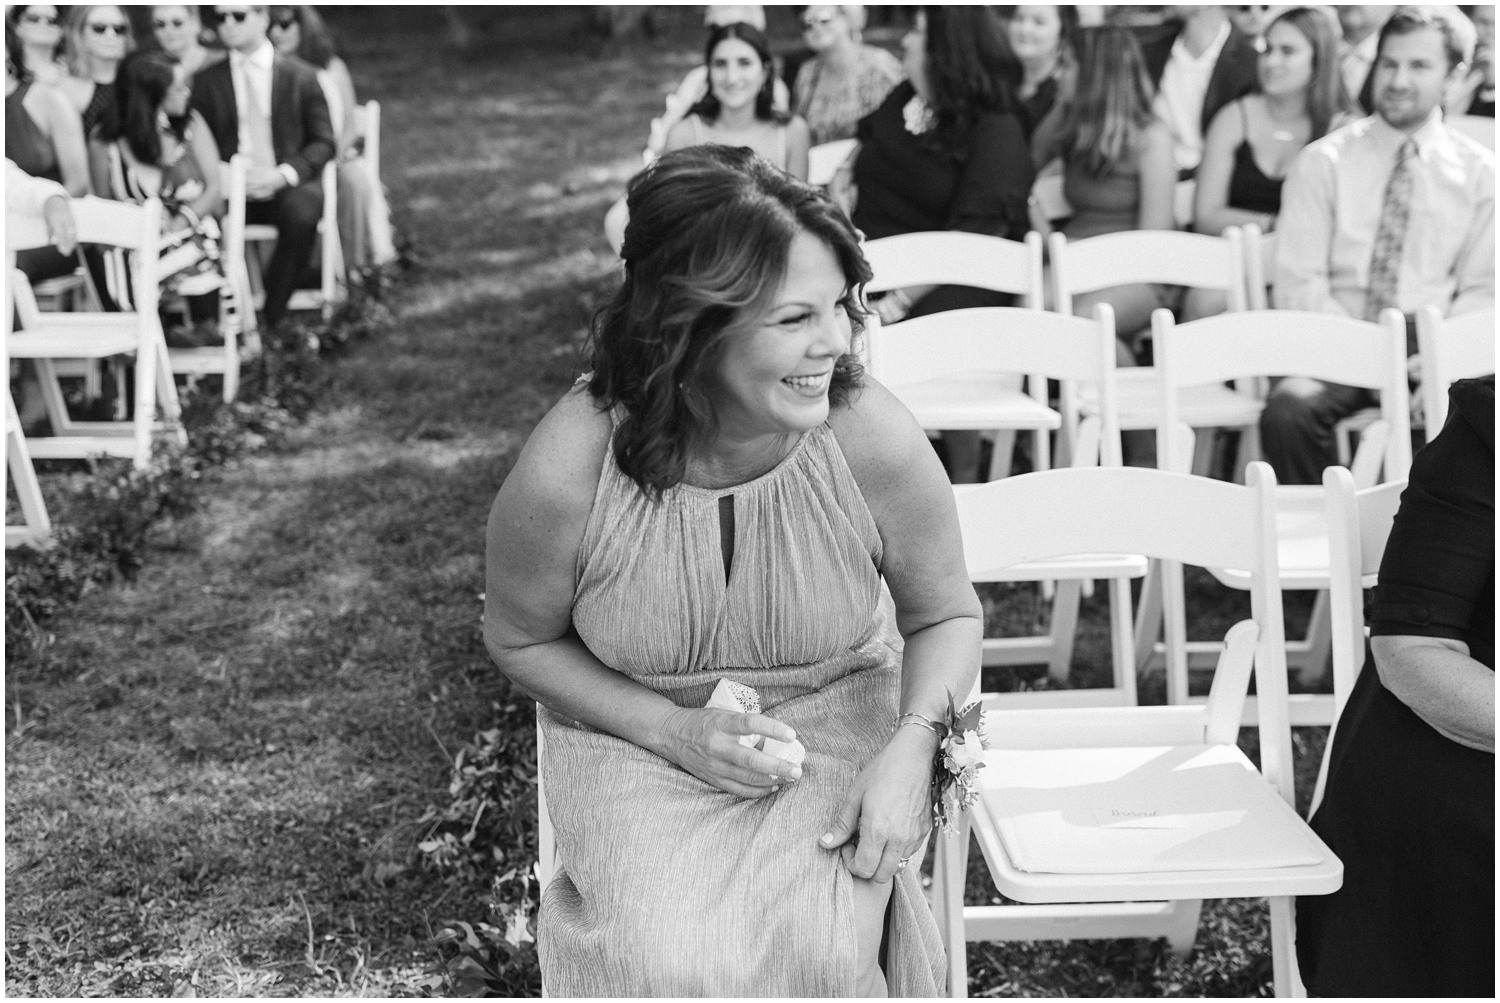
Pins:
x,y
1067,794
1359,523
45,337
1169,257
824,159
1284,343
333,280
991,403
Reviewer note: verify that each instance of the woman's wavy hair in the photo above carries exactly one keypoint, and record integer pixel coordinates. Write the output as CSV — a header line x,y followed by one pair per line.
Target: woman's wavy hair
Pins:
x,y
14,13
316,43
1327,97
706,248
971,69
1111,102
15,55
74,54
708,107
141,86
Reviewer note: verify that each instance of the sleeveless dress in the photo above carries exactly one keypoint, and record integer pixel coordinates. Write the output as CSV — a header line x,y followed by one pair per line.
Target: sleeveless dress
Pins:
x,y
25,143
669,886
1250,188
779,160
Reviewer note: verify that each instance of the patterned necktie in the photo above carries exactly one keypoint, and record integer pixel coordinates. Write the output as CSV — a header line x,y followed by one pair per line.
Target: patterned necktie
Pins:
x,y
1385,259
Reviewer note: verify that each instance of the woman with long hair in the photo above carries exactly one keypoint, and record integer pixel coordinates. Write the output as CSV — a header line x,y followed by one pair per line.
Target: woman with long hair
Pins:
x,y
1299,97
178,29
96,38
364,217
1042,37
1118,172
721,499
43,136
845,79
40,30
946,150
739,108
152,146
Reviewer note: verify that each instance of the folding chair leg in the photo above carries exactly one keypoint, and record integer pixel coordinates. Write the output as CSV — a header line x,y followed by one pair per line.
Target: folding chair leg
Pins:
x,y
19,471
1174,629
1003,455
52,397
950,859
1183,929
1122,648
1064,628
1148,616
1286,979
1312,662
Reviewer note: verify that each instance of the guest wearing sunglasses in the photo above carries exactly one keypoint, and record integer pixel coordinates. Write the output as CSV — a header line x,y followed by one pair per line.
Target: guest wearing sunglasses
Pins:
x,y
271,108
845,79
98,37
179,31
39,28
42,134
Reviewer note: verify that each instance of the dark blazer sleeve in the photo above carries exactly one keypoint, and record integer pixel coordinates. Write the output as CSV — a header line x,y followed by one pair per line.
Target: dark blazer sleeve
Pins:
x,y
213,98
996,180
301,127
1156,47
1233,77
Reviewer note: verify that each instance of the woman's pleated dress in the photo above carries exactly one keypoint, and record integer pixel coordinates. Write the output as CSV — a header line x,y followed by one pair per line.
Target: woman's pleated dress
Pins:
x,y
669,886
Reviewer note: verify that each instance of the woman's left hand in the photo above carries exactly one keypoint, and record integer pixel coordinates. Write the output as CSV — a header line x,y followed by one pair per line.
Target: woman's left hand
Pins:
x,y
888,810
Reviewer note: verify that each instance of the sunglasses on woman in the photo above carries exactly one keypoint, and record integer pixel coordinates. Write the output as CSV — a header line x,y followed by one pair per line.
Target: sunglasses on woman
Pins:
x,y
159,25
237,16
809,23
47,19
104,29
284,22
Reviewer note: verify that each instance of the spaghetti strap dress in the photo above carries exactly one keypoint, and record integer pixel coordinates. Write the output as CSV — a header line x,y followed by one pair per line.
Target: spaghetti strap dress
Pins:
x,y
1250,188
669,886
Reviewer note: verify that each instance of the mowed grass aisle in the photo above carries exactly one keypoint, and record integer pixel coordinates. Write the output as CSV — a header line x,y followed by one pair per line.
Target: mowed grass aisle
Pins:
x,y
216,774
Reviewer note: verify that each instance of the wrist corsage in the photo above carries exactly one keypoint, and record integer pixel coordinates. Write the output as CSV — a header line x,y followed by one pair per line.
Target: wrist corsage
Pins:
x,y
959,758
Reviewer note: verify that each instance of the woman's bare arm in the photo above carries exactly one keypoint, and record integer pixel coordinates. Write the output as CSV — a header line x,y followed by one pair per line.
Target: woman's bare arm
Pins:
x,y
1437,679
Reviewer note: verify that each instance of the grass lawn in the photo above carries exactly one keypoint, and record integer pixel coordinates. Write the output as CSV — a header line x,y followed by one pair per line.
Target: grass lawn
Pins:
x,y
216,775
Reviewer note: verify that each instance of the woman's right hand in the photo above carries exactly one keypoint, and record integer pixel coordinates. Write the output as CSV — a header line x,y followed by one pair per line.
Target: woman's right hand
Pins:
x,y
705,742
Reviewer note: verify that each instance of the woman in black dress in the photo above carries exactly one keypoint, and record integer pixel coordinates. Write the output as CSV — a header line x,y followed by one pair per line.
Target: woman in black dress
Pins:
x,y
1410,802
946,150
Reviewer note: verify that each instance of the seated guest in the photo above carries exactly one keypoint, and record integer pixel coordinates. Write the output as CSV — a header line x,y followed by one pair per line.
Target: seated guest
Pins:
x,y
738,109
727,496
1198,63
1118,172
1360,25
98,37
1410,798
1042,37
271,108
845,79
29,196
1252,20
364,218
1477,94
40,29
154,147
1394,210
946,150
179,31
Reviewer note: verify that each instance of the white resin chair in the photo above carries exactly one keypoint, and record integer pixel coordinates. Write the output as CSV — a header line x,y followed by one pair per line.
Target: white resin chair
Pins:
x,y
824,159
35,527
1063,789
333,283
1451,348
46,337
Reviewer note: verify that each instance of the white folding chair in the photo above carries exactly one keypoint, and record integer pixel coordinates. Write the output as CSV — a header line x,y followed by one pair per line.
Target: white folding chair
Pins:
x,y
1283,343
333,281
1259,249
369,114
1170,257
45,337
235,312
1182,203
1451,348
824,159
35,527
1047,193
1055,779
953,257
1359,523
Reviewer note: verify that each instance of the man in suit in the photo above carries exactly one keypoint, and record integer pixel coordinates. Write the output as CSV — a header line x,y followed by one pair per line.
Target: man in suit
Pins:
x,y
1198,63
270,108
1360,25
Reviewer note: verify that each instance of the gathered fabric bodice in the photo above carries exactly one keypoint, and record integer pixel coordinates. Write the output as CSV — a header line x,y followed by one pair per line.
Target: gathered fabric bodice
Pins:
x,y
652,596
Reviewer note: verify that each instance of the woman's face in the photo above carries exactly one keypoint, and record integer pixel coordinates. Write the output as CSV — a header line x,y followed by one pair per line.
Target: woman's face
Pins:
x,y
775,370
176,28
40,26
1035,33
914,53
735,73
824,27
1286,67
285,31
104,31
176,101
1251,19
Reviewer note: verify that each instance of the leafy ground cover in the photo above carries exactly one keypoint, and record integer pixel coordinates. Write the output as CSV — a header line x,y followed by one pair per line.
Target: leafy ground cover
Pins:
x,y
220,775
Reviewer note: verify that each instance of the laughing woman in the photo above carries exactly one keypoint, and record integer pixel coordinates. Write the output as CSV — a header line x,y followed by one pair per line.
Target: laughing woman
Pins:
x,y
738,109
726,496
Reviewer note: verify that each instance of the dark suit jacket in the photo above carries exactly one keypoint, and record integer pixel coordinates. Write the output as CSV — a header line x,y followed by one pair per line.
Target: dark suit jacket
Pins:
x,y
301,131
1233,76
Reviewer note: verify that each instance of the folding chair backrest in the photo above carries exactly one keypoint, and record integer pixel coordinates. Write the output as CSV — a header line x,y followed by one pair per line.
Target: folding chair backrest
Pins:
x,y
109,223
1451,348
1194,520
953,257
232,178
1335,349
824,159
1172,257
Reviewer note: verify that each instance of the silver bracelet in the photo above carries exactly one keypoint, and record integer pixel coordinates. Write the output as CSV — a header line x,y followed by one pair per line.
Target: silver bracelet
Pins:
x,y
922,721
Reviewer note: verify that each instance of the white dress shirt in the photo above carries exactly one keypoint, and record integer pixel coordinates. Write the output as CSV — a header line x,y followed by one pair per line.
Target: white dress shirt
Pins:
x,y
254,69
1330,211
1180,96
26,195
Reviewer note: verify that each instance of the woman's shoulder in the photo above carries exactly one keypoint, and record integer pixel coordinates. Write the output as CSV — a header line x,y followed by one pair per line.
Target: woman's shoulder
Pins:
x,y
683,133
874,432
76,90
559,465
